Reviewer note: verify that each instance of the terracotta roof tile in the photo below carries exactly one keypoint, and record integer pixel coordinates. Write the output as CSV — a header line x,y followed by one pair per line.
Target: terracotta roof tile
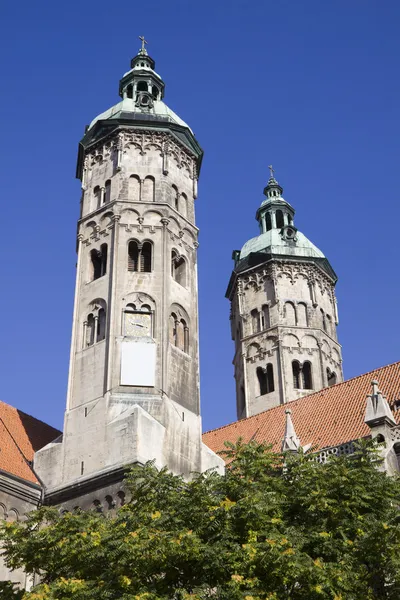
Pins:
x,y
20,436
326,418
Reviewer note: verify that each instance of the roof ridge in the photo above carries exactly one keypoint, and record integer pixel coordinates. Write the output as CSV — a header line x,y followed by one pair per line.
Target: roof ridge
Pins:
x,y
292,402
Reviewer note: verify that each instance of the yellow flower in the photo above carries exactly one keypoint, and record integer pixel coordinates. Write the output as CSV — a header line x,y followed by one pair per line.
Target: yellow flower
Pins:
x,y
156,515
125,581
318,563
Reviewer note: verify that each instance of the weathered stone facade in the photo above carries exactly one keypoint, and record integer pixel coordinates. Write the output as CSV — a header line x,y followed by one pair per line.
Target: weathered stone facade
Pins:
x,y
283,313
133,392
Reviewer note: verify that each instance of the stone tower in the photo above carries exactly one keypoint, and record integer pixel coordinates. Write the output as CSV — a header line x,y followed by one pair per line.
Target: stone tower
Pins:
x,y
133,389
283,312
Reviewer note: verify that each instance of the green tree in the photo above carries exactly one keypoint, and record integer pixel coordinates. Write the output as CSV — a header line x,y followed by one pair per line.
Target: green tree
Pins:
x,y
273,528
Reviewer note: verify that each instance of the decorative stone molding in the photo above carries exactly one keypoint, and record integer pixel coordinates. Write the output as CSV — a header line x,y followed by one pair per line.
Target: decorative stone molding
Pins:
x,y
343,449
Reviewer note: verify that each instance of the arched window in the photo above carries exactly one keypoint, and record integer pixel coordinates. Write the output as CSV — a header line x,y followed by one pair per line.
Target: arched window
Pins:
x,y
255,321
279,219
323,320
178,268
107,191
98,262
175,197
302,315
148,189
328,324
266,379
296,374
290,313
97,196
129,91
134,188
101,325
183,205
140,256
145,258
270,378
133,256
142,86
179,333
242,401
262,380
154,91
265,321
268,222
306,376
173,319
331,377
90,330
95,264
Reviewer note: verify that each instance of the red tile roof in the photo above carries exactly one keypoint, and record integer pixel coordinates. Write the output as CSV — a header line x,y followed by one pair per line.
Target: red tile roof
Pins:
x,y
20,436
326,418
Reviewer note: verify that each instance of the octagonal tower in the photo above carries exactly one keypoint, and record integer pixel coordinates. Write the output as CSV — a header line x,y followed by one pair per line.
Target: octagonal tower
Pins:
x,y
283,312
133,390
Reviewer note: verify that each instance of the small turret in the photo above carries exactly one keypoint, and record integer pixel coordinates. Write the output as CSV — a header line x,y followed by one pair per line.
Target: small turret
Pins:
x,y
142,83
290,442
274,212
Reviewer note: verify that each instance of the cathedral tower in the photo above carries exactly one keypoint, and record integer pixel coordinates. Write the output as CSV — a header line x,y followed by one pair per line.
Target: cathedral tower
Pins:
x,y
133,390
283,312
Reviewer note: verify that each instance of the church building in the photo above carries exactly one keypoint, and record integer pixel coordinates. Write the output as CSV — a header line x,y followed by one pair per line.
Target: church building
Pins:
x,y
133,385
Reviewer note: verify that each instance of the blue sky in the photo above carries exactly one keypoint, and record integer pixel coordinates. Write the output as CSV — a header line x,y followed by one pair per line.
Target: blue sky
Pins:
x,y
311,87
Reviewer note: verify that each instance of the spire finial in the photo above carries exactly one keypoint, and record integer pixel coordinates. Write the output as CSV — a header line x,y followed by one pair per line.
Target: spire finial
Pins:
x,y
271,171
143,48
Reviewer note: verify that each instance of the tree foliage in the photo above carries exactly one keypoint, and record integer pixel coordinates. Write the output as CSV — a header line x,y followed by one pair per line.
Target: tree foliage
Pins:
x,y
272,528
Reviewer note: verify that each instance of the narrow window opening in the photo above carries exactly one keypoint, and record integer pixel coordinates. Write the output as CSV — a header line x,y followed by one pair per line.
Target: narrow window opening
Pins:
x,y
175,197
90,330
145,258
142,86
129,91
265,379
97,195
262,381
101,325
323,320
103,259
265,322
107,192
82,467
268,222
85,411
306,376
95,257
178,268
133,256
279,219
296,374
270,378
154,91
255,321
331,376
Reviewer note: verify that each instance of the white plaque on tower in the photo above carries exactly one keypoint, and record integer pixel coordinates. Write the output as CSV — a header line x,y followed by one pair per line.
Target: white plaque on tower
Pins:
x,y
138,363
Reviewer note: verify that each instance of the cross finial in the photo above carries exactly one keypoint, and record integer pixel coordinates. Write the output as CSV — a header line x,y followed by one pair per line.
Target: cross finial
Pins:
x,y
271,171
143,49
